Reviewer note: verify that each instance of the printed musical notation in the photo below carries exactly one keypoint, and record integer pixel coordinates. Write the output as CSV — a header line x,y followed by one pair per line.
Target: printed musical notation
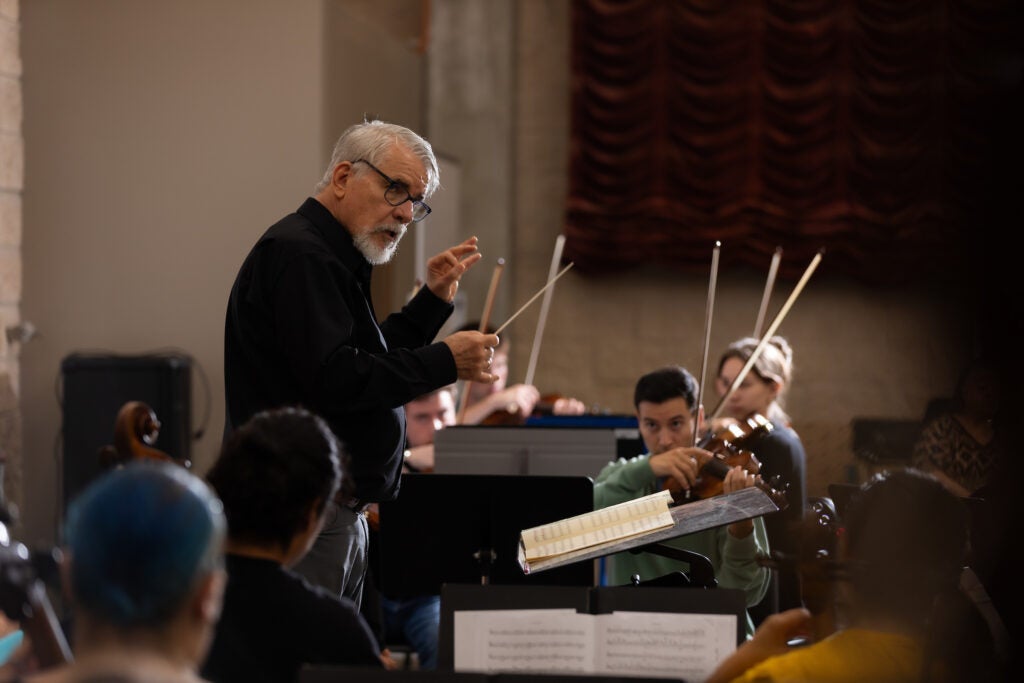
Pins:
x,y
661,644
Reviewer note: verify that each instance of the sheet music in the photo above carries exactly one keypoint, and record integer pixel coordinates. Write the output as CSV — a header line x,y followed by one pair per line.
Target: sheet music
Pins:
x,y
540,640
623,520
697,516
645,644
663,644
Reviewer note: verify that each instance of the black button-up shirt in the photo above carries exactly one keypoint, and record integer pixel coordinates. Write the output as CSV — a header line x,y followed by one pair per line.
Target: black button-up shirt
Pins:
x,y
301,331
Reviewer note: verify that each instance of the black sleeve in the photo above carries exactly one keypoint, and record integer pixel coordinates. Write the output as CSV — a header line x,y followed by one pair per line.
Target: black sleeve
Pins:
x,y
335,349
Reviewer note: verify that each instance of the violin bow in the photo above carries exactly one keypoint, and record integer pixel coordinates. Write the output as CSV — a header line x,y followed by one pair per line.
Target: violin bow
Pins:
x,y
712,283
534,298
556,258
769,332
43,628
484,320
769,283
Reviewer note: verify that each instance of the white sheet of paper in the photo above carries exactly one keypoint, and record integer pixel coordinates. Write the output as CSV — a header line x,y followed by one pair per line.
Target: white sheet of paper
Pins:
x,y
663,644
540,640
648,644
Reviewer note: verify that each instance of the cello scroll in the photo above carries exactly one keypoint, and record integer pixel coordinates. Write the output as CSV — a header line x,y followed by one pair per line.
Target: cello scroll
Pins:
x,y
135,432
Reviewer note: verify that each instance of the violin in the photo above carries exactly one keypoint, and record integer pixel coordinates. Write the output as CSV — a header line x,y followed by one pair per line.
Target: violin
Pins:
x,y
507,417
136,429
373,517
513,417
729,445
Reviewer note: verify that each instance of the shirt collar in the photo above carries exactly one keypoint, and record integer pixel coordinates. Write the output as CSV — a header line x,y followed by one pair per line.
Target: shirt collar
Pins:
x,y
337,237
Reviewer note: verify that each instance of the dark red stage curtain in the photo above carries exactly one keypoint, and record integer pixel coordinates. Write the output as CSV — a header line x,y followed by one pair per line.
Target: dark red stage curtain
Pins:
x,y
866,129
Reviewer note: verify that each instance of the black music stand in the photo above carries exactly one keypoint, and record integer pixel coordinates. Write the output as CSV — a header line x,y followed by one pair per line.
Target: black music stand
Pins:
x,y
464,528
701,572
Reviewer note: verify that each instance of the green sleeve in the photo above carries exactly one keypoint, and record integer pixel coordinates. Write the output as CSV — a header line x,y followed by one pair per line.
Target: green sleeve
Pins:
x,y
740,568
623,480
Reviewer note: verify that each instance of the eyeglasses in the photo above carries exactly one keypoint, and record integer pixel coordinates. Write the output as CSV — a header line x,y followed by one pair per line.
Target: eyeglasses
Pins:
x,y
397,194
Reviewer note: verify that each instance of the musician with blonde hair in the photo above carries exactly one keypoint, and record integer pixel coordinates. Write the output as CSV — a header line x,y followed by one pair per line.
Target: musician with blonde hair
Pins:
x,y
781,453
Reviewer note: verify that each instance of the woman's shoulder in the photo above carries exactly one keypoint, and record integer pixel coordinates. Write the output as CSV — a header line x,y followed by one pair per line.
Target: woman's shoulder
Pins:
x,y
784,435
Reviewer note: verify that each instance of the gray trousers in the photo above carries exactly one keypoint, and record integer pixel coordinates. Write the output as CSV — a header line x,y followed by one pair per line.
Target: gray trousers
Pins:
x,y
338,559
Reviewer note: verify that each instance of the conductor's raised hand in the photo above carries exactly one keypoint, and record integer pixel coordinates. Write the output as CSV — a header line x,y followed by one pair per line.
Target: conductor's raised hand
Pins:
x,y
473,353
445,269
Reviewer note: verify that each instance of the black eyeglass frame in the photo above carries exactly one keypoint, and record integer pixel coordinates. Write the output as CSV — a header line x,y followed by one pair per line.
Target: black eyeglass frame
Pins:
x,y
400,187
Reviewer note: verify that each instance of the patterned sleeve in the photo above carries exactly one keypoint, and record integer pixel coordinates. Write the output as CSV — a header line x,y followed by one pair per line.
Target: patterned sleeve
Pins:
x,y
933,447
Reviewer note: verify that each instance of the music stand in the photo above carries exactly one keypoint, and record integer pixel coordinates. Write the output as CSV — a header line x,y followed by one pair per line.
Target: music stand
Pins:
x,y
580,450
464,528
333,673
599,600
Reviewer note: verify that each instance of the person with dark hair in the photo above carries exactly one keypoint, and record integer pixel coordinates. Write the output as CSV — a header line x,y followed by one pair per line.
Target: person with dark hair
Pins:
x,y
902,552
780,451
276,475
144,570
301,329
665,402
962,445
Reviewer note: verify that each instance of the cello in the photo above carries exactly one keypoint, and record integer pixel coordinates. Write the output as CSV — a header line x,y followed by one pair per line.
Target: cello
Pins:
x,y
136,430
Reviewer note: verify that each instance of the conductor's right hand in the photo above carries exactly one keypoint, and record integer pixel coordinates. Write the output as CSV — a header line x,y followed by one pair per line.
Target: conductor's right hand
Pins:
x,y
473,353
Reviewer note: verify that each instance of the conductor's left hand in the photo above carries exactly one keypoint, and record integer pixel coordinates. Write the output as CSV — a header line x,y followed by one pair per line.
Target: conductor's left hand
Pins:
x,y
445,269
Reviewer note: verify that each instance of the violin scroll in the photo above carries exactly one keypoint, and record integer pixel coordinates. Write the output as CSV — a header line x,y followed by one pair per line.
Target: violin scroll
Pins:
x,y
728,446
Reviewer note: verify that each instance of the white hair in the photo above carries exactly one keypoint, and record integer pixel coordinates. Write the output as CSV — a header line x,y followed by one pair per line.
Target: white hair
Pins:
x,y
370,140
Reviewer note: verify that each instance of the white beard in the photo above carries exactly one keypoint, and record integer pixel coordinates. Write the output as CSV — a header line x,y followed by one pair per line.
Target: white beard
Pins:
x,y
376,255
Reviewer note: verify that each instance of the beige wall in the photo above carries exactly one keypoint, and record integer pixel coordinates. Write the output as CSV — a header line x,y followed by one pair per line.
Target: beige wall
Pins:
x,y
470,114
163,138
11,181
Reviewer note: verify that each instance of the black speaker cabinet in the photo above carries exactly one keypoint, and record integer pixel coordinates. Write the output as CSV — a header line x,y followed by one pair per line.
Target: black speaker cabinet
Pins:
x,y
94,389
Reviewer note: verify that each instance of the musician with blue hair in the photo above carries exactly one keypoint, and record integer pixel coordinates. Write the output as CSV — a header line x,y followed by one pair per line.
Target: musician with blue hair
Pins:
x,y
144,571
